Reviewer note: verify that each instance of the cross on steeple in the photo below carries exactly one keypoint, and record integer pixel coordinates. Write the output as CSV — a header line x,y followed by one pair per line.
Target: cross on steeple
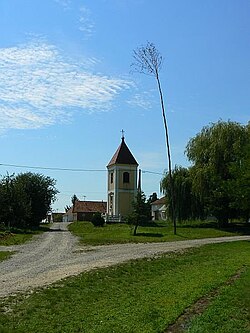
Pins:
x,y
122,131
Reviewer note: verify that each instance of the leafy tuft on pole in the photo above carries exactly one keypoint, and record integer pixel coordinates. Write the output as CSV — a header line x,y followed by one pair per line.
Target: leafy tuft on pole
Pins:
x,y
148,60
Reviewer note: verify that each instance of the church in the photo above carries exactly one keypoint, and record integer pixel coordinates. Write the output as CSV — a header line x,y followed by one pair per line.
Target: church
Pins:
x,y
122,183
121,191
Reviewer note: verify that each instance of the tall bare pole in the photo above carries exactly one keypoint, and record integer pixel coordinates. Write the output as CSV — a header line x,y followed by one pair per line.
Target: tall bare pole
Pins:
x,y
148,60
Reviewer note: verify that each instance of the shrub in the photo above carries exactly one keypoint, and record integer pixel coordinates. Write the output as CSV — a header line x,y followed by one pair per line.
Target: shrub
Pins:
x,y
98,220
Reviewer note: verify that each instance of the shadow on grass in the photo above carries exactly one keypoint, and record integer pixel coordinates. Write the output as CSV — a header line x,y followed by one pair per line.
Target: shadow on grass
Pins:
x,y
43,228
210,225
158,224
27,231
148,234
52,230
239,228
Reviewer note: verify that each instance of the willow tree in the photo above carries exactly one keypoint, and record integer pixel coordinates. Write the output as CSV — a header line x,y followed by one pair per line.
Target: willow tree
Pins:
x,y
148,60
188,205
221,174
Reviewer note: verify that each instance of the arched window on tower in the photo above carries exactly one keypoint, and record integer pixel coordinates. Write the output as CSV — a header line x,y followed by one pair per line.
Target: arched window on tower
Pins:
x,y
125,177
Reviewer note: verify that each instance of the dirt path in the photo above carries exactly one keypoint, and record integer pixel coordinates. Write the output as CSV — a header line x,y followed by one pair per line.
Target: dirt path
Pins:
x,y
55,255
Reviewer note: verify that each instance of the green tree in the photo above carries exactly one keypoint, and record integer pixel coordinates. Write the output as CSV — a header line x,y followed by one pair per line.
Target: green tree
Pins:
x,y
39,193
12,202
220,157
74,199
187,204
239,186
140,211
25,199
148,60
153,197
6,200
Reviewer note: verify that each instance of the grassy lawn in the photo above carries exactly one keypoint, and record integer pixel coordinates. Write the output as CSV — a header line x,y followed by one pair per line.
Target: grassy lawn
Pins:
x,y
141,296
230,312
19,236
160,232
5,255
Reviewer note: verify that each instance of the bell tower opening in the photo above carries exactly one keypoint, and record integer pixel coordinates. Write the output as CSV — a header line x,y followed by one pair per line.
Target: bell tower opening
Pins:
x,y
126,177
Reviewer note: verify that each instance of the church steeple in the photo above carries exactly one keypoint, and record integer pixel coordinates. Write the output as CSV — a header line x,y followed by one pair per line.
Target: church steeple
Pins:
x,y
123,155
122,181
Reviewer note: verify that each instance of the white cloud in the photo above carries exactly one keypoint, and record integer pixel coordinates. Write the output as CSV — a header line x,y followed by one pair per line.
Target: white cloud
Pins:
x,y
86,23
64,3
39,87
152,160
84,20
142,100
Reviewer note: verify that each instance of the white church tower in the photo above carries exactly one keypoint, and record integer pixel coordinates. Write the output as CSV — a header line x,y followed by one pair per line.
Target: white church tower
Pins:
x,y
122,181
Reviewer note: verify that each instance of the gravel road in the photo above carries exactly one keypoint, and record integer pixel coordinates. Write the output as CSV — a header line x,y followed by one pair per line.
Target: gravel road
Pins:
x,y
55,255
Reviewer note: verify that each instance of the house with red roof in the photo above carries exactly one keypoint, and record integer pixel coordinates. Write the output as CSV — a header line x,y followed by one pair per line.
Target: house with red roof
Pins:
x,y
84,210
159,209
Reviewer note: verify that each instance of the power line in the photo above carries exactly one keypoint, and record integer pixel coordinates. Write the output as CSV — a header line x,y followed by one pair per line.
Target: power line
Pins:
x,y
51,168
69,169
154,173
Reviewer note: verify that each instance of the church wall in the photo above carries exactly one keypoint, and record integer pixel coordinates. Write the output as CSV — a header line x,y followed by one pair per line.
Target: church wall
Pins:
x,y
111,185
132,178
125,202
126,192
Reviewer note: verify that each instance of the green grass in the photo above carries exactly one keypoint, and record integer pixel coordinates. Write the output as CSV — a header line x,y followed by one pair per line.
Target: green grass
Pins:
x,y
230,312
19,236
160,232
5,255
142,296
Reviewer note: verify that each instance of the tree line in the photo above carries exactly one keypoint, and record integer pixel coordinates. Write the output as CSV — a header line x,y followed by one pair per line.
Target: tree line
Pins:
x,y
218,181
25,199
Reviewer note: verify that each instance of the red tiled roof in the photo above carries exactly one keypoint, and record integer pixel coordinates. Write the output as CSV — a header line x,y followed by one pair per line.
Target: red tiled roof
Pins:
x,y
160,201
123,155
90,207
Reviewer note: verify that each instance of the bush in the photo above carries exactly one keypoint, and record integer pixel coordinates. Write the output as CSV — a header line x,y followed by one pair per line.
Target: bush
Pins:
x,y
98,220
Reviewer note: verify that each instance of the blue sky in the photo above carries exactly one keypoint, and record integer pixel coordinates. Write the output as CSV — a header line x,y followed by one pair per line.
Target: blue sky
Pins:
x,y
67,91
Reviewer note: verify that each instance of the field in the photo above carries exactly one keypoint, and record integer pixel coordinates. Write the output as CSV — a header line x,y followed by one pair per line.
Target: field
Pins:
x,y
153,232
123,233
143,296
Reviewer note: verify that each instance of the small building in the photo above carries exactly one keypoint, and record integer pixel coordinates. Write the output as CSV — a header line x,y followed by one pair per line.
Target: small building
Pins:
x,y
159,209
57,217
84,210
